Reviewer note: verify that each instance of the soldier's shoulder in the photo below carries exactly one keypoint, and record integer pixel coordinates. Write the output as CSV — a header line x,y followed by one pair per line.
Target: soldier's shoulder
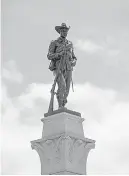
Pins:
x,y
69,42
52,43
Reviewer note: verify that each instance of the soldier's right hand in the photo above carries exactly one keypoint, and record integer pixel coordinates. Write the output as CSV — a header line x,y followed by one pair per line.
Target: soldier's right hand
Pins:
x,y
61,53
57,55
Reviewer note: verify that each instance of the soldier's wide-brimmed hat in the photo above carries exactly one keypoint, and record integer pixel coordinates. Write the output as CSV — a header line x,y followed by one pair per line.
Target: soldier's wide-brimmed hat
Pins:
x,y
63,26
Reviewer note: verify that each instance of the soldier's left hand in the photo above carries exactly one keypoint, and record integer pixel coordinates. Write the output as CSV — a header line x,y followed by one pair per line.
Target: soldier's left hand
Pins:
x,y
73,63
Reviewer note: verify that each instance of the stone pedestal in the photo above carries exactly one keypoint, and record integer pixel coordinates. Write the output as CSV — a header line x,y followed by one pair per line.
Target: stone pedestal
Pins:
x,y
63,149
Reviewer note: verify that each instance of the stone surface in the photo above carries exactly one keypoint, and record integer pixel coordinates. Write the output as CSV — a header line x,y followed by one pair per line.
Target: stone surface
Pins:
x,y
62,122
62,110
63,149
64,152
65,173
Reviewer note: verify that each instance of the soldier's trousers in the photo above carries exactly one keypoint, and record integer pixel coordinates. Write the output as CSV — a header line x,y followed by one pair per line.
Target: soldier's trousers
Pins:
x,y
63,81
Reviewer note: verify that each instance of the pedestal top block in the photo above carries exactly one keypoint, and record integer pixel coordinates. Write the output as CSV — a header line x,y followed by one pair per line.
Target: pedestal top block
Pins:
x,y
62,110
62,121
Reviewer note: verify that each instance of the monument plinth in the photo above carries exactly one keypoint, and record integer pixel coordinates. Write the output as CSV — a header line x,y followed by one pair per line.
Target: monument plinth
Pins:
x,y
63,149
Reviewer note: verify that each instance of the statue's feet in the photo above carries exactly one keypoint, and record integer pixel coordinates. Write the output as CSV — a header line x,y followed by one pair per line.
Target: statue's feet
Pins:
x,y
64,102
61,102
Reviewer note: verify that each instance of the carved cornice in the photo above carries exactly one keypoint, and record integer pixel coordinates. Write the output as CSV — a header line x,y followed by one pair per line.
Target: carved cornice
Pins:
x,y
64,134
61,147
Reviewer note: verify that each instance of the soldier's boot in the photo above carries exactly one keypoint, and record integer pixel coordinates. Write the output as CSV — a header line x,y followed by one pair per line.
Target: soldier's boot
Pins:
x,y
65,97
64,102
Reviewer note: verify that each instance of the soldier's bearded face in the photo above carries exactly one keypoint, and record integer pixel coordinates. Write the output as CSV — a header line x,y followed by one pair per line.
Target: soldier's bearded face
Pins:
x,y
63,33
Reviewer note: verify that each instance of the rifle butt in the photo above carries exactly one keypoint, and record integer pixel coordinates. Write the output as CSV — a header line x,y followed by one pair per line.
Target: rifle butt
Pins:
x,y
50,109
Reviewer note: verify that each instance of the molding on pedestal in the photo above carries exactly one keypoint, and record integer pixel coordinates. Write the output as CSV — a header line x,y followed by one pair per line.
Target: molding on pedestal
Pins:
x,y
64,134
62,110
65,172
64,148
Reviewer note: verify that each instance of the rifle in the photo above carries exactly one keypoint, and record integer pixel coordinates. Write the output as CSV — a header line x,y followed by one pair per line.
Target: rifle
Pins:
x,y
50,109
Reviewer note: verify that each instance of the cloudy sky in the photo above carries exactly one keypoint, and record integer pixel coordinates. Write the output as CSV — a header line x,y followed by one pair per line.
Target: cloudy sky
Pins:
x,y
100,34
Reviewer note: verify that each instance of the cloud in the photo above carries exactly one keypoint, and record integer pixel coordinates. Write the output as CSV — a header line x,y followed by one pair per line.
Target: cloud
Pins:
x,y
113,52
106,121
11,73
88,46
105,48
17,155
111,142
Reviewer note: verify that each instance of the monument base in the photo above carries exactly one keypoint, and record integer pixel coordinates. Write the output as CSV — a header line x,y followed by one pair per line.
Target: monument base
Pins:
x,y
63,149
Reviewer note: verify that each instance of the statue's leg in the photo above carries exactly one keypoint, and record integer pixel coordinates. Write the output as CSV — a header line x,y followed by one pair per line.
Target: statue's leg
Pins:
x,y
61,90
68,77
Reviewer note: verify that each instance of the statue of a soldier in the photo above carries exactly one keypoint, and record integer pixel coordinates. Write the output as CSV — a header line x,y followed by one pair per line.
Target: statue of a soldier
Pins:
x,y
62,62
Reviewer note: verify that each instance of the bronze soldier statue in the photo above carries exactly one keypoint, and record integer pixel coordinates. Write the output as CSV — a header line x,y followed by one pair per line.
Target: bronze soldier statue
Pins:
x,y
63,60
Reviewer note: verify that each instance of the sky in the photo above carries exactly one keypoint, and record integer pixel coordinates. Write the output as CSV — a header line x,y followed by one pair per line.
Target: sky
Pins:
x,y
100,35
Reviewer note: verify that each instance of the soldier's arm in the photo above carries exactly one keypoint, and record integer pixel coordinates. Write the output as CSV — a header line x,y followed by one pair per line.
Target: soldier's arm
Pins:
x,y
70,46
73,55
51,52
74,59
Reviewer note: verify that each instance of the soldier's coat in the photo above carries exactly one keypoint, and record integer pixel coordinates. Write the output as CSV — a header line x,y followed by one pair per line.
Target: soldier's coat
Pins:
x,y
57,46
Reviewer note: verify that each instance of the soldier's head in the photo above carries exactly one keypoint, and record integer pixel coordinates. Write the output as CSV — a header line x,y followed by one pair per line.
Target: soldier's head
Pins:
x,y
62,30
